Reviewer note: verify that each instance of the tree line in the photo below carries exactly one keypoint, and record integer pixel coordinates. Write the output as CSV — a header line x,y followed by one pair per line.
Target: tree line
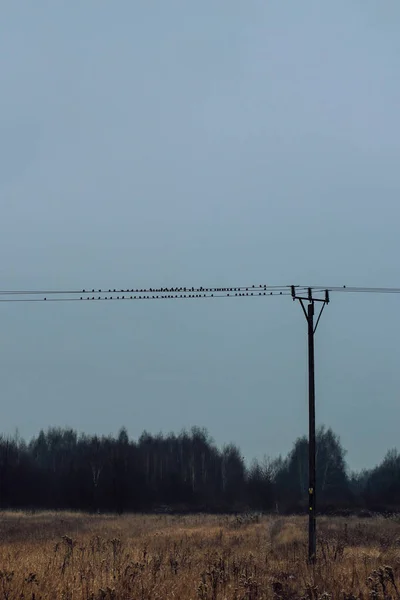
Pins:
x,y
60,469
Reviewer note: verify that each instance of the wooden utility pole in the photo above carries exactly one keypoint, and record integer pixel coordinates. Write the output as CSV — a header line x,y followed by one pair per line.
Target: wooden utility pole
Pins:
x,y
311,437
309,314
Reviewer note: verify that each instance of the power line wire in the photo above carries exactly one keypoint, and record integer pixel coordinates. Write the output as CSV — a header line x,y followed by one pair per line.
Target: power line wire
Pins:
x,y
159,290
175,293
254,294
354,289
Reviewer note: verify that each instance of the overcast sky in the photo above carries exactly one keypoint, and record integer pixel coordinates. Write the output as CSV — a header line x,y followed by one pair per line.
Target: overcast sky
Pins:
x,y
152,143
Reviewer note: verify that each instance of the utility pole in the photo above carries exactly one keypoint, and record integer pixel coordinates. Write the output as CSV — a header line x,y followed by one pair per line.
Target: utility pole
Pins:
x,y
309,314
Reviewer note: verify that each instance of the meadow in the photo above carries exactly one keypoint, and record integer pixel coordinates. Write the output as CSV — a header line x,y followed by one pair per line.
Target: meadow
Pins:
x,y
200,557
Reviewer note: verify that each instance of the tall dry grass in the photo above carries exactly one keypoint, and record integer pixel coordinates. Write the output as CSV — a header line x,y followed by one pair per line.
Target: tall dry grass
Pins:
x,y
75,556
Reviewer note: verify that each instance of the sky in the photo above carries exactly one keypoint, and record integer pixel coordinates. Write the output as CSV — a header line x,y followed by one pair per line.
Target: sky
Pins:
x,y
147,144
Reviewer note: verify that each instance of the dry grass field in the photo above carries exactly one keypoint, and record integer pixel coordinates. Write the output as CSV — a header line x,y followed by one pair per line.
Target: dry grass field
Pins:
x,y
75,556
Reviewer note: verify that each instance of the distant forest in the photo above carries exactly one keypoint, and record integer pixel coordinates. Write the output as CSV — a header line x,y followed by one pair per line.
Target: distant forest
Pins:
x,y
60,469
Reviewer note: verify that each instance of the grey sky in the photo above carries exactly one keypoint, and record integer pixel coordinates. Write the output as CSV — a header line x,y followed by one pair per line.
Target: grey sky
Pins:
x,y
201,143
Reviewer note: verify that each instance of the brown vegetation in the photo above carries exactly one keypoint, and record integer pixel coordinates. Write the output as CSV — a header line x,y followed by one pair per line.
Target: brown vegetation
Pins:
x,y
75,556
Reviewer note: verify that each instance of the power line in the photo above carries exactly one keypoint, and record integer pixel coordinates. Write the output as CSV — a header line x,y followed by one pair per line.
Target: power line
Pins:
x,y
189,291
159,293
159,290
353,289
180,293
148,296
